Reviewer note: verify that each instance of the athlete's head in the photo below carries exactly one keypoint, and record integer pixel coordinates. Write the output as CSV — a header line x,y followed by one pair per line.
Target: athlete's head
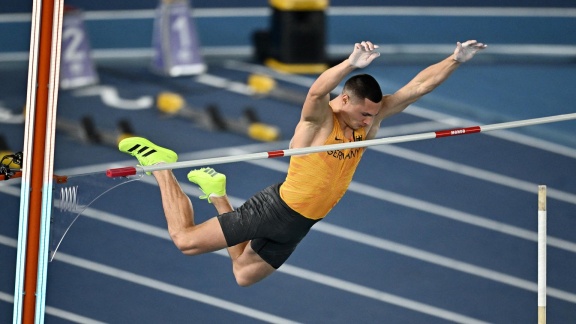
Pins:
x,y
363,86
361,100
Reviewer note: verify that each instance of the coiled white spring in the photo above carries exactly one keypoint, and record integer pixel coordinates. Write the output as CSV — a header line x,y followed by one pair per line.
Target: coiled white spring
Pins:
x,y
68,198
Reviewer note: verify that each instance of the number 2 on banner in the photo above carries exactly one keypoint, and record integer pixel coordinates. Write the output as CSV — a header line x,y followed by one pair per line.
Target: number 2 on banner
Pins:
x,y
73,55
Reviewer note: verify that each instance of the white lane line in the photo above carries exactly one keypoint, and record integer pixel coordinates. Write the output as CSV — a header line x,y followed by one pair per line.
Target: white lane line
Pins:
x,y
451,11
332,11
170,289
53,311
287,269
434,209
56,312
450,263
472,172
349,235
156,284
377,295
296,271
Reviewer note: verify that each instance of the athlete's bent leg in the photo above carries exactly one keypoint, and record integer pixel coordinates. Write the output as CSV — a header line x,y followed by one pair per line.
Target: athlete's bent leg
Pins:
x,y
190,238
249,268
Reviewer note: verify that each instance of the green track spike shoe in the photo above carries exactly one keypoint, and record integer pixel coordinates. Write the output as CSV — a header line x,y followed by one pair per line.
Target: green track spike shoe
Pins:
x,y
212,183
146,152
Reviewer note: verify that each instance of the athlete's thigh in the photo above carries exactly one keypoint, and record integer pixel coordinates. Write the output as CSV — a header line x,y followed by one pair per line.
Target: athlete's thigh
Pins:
x,y
206,237
250,266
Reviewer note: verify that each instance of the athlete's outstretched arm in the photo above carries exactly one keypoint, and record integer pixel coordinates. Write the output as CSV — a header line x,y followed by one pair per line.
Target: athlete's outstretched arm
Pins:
x,y
429,79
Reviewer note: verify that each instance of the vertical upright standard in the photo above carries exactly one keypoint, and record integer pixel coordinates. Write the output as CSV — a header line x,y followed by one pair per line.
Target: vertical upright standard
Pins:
x,y
541,254
37,166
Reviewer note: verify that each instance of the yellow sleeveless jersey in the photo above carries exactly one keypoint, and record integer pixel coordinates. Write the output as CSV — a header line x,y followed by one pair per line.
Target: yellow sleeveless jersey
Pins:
x,y
316,182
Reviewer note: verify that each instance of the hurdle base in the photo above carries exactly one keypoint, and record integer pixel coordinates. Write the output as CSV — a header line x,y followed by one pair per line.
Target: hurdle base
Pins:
x,y
180,70
296,68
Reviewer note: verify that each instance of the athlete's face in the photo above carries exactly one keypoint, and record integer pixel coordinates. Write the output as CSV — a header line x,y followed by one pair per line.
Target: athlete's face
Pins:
x,y
360,112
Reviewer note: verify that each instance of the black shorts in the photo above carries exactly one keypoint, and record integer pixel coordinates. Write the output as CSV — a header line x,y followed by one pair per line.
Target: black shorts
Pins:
x,y
274,228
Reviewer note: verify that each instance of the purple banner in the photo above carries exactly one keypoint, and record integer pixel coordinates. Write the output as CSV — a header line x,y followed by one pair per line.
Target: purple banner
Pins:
x,y
76,66
175,41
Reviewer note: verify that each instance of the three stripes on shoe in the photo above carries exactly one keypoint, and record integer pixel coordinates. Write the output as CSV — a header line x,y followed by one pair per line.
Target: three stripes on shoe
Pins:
x,y
143,149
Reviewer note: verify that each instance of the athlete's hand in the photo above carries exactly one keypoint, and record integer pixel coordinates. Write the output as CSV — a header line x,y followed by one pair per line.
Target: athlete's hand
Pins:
x,y
465,51
364,53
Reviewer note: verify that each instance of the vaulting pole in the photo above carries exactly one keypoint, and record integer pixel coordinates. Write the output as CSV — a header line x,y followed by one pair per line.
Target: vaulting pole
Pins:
x,y
37,168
